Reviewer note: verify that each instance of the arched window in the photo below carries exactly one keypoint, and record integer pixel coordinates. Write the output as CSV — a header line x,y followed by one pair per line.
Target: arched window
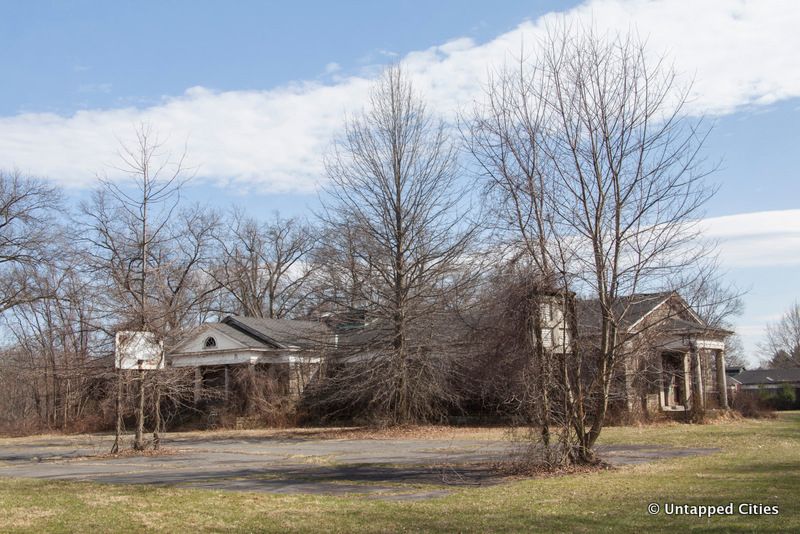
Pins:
x,y
210,343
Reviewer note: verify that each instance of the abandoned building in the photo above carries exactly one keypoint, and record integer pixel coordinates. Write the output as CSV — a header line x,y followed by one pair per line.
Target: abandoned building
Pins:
x,y
290,350
672,360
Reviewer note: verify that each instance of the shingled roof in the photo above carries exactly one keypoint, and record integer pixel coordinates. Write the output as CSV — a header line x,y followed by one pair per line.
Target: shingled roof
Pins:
x,y
767,376
436,330
281,333
631,309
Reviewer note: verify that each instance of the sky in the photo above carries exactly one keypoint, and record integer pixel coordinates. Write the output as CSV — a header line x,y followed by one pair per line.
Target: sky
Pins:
x,y
256,91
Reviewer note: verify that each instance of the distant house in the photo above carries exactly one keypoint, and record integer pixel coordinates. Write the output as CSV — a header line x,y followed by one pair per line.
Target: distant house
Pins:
x,y
767,383
742,379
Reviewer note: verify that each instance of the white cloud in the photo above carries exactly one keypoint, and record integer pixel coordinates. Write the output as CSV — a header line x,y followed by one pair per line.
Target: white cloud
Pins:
x,y
741,53
332,67
760,239
267,139
758,248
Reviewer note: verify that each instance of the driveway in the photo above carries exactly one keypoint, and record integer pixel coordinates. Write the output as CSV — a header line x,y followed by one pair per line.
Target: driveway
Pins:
x,y
379,468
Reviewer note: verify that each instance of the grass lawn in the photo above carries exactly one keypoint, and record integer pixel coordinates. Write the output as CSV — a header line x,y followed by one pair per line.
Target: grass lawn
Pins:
x,y
759,463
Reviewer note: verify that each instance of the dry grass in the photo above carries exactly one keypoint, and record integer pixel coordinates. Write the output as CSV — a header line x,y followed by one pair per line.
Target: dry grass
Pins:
x,y
131,453
315,459
758,463
25,518
413,432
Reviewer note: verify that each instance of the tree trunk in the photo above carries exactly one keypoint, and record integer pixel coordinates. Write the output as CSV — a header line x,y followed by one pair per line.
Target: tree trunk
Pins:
x,y
157,416
118,413
138,443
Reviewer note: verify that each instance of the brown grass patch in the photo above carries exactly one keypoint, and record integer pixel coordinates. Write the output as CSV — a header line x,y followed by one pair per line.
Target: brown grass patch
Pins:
x,y
24,517
131,453
409,432
516,470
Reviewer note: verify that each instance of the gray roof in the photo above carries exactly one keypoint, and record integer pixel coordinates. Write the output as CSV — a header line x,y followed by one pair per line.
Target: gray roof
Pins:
x,y
633,308
628,310
767,376
280,333
238,335
437,330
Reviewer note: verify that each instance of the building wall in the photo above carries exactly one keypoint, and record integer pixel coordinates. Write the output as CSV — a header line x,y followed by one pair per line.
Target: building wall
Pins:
x,y
223,342
555,333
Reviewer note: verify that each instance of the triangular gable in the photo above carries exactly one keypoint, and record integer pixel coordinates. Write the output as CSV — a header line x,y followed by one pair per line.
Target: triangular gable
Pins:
x,y
679,308
686,312
195,342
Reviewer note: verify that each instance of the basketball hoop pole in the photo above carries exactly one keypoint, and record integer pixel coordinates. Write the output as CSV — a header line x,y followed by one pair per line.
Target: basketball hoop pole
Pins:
x,y
118,409
138,442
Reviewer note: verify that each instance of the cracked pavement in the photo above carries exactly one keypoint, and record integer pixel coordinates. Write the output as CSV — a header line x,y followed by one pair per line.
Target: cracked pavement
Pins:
x,y
379,468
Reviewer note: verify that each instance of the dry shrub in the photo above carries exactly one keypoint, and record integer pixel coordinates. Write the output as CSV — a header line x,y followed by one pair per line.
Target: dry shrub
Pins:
x,y
751,406
21,427
724,416
263,398
379,393
619,415
526,466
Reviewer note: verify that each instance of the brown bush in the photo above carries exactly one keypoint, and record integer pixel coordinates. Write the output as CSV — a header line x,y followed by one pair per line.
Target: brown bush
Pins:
x,y
751,406
264,399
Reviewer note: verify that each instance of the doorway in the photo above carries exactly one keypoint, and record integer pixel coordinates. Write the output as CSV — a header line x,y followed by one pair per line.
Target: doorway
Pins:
x,y
673,380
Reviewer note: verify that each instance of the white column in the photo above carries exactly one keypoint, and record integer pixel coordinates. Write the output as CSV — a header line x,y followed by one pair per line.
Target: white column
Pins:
x,y
688,397
696,380
629,389
699,377
722,380
198,384
661,380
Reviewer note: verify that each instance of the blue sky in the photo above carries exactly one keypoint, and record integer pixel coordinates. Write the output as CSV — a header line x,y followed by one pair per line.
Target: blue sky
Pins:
x,y
79,54
257,89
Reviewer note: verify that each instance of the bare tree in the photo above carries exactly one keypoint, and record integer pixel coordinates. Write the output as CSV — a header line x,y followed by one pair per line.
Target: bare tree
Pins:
x,y
783,340
339,276
394,215
27,234
127,224
32,286
185,289
263,267
55,349
735,355
596,175
183,296
704,287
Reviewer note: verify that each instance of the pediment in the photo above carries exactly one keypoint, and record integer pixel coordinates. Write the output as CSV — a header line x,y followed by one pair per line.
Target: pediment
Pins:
x,y
223,341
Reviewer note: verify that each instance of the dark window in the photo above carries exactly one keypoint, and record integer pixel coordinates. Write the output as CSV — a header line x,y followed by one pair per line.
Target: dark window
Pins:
x,y
210,343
